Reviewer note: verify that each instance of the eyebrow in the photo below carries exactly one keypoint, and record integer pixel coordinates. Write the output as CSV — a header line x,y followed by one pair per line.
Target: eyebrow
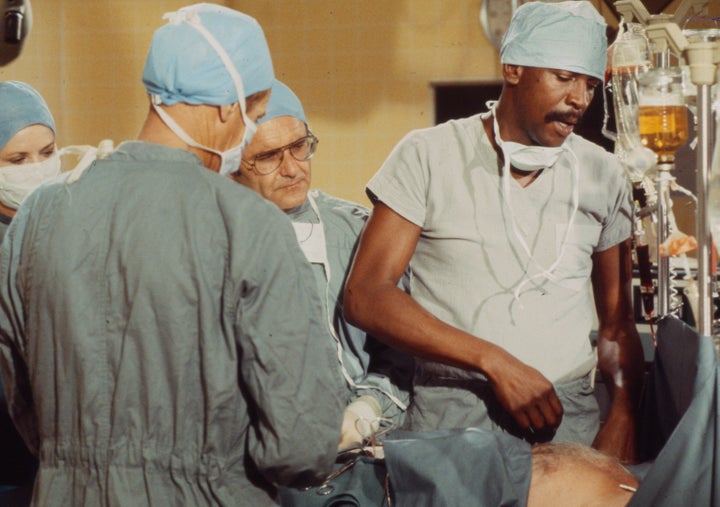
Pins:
x,y
591,79
283,147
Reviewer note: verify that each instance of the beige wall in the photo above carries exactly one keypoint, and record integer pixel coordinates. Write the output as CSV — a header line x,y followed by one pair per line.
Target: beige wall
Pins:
x,y
362,68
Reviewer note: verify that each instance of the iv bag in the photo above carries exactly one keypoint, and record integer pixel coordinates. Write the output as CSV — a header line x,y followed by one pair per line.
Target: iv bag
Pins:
x,y
630,56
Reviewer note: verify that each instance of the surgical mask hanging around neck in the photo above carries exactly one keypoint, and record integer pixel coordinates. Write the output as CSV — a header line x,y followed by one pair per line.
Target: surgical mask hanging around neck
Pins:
x,y
229,159
18,181
526,158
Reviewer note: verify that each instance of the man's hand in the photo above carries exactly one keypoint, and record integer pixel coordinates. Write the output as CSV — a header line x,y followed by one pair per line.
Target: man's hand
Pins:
x,y
527,395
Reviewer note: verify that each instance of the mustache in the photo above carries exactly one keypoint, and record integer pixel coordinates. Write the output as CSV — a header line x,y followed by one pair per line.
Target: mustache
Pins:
x,y
571,117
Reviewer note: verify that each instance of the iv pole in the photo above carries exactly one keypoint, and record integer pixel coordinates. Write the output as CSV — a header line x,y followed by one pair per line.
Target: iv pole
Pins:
x,y
703,57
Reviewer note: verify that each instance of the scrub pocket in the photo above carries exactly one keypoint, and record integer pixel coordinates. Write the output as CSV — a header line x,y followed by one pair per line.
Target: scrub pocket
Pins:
x,y
576,264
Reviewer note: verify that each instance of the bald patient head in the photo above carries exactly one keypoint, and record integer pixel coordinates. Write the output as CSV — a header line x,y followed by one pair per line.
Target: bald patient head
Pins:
x,y
578,475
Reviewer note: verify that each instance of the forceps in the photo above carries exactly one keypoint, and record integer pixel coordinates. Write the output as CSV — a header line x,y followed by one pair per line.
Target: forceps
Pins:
x,y
326,488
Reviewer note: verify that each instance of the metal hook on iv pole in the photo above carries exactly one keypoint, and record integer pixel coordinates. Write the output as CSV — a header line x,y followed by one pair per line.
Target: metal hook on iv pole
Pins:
x,y
634,9
662,29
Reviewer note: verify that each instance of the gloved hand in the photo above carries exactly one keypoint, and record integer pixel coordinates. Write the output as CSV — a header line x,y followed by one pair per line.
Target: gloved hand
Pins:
x,y
360,420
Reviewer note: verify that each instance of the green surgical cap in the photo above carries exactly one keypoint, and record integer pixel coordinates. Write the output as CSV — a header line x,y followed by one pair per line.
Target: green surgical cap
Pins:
x,y
564,35
182,66
283,102
21,106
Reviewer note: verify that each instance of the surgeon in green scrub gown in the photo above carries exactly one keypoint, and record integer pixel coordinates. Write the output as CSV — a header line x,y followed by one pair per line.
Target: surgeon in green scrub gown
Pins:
x,y
159,344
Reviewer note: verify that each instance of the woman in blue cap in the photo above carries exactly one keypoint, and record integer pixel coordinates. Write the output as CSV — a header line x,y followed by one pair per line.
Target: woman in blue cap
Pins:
x,y
28,157
28,154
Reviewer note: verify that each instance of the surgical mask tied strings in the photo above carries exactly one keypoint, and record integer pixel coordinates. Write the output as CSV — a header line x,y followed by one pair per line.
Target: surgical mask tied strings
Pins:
x,y
230,159
545,158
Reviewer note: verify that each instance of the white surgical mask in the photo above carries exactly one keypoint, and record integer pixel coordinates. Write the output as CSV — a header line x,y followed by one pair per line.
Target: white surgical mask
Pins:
x,y
18,181
229,159
250,129
527,158
530,158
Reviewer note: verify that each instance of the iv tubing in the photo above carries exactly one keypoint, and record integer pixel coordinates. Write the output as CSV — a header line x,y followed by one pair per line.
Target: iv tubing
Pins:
x,y
663,268
704,274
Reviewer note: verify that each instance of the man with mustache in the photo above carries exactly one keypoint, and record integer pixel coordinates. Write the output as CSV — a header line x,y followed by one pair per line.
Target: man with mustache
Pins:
x,y
510,224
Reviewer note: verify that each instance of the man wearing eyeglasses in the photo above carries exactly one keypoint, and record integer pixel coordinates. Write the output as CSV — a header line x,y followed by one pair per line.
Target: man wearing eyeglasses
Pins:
x,y
276,165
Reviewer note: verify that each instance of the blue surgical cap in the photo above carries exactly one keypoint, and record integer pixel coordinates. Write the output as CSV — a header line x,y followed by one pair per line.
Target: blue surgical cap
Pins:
x,y
283,102
22,106
564,35
182,66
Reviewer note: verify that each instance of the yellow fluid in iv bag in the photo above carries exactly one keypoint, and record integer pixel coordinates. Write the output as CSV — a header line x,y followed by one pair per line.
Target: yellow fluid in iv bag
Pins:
x,y
662,115
663,128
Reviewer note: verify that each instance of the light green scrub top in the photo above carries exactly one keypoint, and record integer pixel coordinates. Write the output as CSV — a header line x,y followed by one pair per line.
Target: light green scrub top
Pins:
x,y
161,341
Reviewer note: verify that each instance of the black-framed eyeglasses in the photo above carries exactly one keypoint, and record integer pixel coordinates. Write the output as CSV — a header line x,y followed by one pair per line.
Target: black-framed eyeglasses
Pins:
x,y
301,150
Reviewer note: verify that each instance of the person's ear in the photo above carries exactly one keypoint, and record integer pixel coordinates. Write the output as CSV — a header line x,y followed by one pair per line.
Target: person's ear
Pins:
x,y
235,175
239,176
226,112
511,73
